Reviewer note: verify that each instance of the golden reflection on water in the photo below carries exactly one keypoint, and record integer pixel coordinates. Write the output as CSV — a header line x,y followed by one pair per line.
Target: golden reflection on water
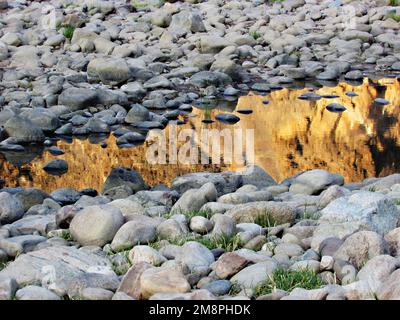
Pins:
x,y
291,135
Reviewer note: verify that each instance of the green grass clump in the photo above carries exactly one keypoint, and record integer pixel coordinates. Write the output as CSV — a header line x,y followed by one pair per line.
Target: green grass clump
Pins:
x,y
307,215
3,265
288,280
68,31
393,16
372,189
394,2
265,220
66,235
255,35
397,202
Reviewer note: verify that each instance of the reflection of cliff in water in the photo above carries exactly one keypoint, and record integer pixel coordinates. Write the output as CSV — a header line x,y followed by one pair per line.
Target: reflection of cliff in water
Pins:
x,y
291,135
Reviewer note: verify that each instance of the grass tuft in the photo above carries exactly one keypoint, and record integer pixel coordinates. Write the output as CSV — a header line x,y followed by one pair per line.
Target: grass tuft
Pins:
x,y
265,220
255,35
393,16
68,31
66,235
288,280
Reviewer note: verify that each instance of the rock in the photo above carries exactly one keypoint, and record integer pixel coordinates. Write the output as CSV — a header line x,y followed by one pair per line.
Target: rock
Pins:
x,y
192,200
314,181
56,167
354,75
109,71
200,224
228,265
289,249
130,283
377,270
227,118
362,211
11,208
275,212
196,257
15,246
8,287
224,226
327,263
393,240
245,197
253,275
128,208
213,44
137,114
163,280
218,287
137,231
146,254
63,270
330,194
96,294
45,119
121,176
194,295
361,247
121,296
65,195
384,183
257,176
96,225
35,293
78,98
224,182
335,107
185,22
204,79
23,130
390,289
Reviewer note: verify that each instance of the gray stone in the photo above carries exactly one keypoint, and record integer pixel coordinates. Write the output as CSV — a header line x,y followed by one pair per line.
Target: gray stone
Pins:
x,y
314,181
192,200
121,176
253,275
109,71
96,225
96,294
35,293
196,257
15,246
23,130
78,98
11,208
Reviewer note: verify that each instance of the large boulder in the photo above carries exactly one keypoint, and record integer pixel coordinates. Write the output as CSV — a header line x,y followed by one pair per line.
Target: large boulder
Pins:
x,y
109,71
192,200
78,98
64,270
315,181
364,211
122,176
361,247
257,176
275,212
96,225
23,130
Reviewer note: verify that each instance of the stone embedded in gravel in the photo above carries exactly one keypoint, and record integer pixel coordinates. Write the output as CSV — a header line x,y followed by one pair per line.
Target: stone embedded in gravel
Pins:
x,y
146,254
204,79
330,194
171,229
140,230
277,212
192,200
96,225
43,118
253,275
11,208
163,280
109,71
78,98
361,247
96,294
354,75
186,21
228,265
23,130
218,287
35,293
56,167
314,181
290,249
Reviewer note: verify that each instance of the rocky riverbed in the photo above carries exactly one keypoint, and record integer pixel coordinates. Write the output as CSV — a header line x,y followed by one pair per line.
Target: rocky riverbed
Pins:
x,y
74,68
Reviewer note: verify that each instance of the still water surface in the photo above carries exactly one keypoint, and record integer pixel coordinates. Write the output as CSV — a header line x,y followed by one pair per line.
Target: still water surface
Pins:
x,y
290,135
